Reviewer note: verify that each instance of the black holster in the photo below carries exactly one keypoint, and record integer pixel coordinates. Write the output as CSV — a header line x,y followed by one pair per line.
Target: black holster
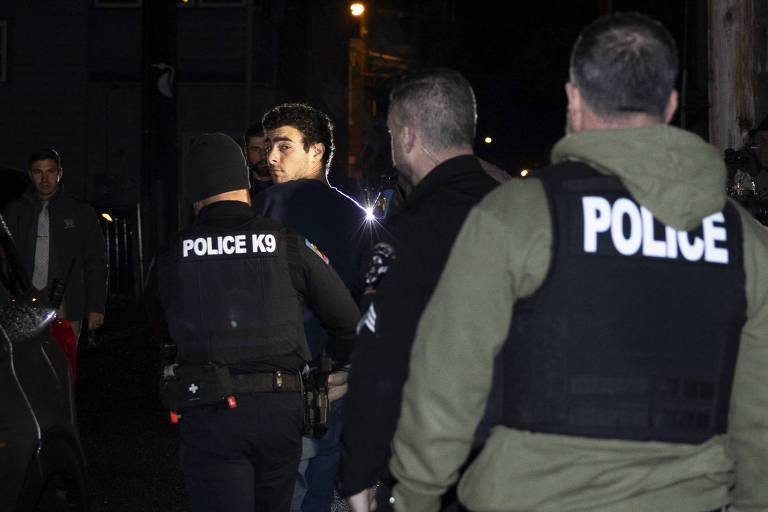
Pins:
x,y
316,403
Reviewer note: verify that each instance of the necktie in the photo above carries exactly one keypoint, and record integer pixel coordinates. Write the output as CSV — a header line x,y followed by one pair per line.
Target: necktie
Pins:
x,y
42,247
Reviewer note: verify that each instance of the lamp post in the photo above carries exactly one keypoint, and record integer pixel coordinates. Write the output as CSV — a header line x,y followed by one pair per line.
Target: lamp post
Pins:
x,y
358,52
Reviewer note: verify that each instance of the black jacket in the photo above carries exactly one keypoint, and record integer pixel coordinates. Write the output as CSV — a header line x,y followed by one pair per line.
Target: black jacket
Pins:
x,y
76,242
412,249
250,303
328,219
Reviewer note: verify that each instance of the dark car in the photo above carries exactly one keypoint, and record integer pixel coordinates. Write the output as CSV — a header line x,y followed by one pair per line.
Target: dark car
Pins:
x,y
41,460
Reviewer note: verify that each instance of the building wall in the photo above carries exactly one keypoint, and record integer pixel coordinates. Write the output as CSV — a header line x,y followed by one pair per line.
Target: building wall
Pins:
x,y
74,83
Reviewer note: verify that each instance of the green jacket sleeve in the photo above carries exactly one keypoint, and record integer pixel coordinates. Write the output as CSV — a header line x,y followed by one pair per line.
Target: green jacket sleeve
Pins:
x,y
748,419
501,254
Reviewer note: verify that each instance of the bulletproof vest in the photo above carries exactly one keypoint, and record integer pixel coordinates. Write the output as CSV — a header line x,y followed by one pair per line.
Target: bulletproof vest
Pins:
x,y
634,333
234,300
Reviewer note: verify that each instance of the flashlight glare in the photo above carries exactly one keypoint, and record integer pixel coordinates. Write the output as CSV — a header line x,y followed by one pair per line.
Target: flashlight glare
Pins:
x,y
357,9
524,173
488,140
369,214
107,216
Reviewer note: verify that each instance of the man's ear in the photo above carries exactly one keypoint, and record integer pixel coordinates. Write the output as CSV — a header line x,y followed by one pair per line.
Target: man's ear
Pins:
x,y
671,106
575,106
408,137
318,150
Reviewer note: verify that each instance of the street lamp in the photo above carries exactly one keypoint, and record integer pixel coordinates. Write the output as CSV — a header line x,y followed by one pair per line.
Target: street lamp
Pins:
x,y
357,9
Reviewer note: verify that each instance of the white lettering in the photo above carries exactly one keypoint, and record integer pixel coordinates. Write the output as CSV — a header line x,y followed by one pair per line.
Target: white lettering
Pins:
x,y
630,245
692,251
271,243
651,247
632,228
713,234
671,239
240,244
597,219
258,243
200,247
229,244
187,246
211,250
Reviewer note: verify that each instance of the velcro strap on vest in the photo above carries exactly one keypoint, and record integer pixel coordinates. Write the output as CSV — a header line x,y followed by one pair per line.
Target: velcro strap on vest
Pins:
x,y
277,381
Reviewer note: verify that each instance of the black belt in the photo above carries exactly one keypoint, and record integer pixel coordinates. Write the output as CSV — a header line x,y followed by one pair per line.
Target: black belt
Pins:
x,y
277,381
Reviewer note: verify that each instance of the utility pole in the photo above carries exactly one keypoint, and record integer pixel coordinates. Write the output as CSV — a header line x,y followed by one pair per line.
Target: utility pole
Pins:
x,y
738,86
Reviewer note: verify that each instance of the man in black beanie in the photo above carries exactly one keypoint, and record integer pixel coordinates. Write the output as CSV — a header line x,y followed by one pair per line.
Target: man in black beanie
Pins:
x,y
232,286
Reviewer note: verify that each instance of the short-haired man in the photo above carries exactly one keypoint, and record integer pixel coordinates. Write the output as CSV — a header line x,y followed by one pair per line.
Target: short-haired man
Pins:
x,y
628,301
232,286
300,149
255,147
431,120
59,238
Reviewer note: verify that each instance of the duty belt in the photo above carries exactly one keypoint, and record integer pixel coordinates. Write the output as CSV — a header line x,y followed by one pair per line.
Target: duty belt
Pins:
x,y
277,381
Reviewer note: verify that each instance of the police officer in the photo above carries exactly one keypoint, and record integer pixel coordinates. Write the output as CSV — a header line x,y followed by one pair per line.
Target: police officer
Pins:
x,y
233,285
627,298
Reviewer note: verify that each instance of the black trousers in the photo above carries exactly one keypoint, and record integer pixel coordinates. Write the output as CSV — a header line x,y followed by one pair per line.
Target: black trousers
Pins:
x,y
243,459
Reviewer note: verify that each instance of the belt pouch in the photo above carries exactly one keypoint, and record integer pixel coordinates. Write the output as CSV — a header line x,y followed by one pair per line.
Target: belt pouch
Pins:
x,y
198,384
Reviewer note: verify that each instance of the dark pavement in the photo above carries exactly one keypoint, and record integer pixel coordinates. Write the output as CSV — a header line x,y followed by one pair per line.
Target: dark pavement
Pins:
x,y
130,445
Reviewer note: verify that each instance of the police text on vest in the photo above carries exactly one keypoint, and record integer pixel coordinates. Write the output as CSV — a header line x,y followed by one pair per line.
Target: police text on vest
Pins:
x,y
229,244
600,216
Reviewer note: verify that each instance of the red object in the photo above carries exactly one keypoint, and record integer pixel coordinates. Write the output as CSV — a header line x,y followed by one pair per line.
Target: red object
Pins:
x,y
62,333
232,402
174,417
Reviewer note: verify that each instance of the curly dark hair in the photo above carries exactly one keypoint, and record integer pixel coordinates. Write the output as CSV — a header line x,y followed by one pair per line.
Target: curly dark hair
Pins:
x,y
313,124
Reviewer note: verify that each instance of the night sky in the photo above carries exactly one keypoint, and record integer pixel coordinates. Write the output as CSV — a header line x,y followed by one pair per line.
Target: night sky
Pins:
x,y
516,57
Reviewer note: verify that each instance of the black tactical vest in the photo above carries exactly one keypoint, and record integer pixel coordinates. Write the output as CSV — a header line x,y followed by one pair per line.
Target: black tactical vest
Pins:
x,y
634,332
233,298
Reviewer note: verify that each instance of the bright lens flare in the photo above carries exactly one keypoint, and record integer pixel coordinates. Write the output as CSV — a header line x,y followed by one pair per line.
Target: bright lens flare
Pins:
x,y
107,216
524,173
369,216
357,9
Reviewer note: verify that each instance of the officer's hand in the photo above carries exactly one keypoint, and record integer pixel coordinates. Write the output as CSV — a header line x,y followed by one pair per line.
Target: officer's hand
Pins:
x,y
337,385
364,501
95,320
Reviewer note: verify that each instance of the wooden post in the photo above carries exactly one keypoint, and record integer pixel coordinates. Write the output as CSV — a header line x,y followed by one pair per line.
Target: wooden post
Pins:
x,y
733,73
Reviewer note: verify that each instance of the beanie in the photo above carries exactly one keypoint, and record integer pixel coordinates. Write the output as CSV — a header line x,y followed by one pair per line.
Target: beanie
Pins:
x,y
214,165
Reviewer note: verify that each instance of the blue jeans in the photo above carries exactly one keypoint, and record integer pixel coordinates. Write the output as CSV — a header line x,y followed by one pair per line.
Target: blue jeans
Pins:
x,y
313,490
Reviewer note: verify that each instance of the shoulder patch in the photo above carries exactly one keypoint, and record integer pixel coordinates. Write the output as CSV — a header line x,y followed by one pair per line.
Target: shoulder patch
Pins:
x,y
317,251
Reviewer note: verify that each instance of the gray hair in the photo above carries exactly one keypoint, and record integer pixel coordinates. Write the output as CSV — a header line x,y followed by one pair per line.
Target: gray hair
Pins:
x,y
625,63
440,103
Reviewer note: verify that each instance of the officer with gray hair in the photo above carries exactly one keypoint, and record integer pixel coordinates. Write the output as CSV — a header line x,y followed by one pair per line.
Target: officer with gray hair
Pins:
x,y
431,120
627,299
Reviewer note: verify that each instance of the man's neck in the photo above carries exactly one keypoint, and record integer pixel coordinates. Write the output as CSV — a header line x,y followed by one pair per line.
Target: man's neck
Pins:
x,y
318,176
433,159
47,196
